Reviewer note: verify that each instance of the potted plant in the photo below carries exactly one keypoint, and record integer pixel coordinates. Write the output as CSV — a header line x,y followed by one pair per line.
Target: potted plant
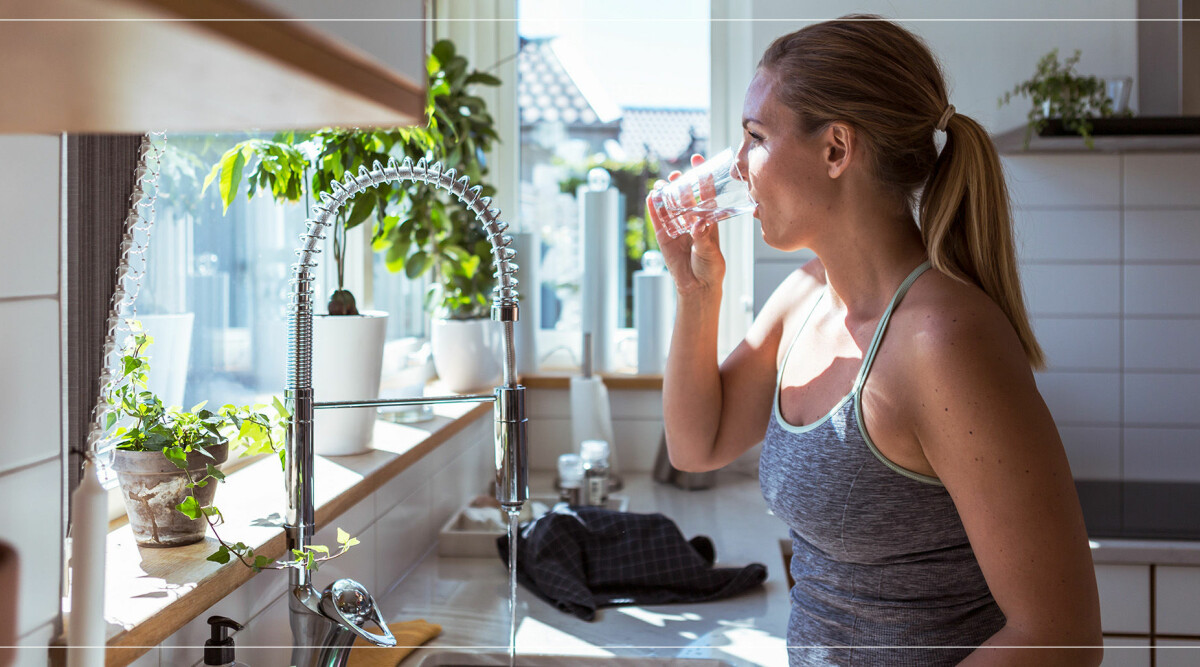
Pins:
x,y
166,461
419,229
1059,93
165,457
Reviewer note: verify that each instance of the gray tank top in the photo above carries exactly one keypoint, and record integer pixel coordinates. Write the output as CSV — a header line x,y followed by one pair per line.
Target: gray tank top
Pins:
x,y
884,572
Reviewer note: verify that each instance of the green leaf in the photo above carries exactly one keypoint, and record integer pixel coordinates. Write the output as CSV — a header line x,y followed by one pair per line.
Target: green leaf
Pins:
x,y
175,453
416,264
189,507
221,555
319,548
342,536
213,472
364,203
261,562
231,175
483,78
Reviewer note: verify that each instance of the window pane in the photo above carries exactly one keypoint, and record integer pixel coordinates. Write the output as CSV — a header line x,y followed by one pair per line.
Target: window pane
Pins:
x,y
221,282
591,93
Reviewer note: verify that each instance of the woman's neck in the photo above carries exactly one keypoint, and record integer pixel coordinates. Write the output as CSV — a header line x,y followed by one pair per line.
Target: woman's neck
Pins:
x,y
867,263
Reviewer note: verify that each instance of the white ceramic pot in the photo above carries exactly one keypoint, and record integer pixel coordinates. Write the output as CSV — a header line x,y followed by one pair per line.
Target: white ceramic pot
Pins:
x,y
347,359
467,354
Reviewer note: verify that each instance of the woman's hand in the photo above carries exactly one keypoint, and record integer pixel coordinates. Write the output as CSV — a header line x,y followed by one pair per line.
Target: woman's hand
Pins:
x,y
694,260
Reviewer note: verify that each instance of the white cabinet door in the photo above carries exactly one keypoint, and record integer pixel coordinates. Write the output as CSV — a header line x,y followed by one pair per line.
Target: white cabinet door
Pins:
x,y
1177,601
1120,652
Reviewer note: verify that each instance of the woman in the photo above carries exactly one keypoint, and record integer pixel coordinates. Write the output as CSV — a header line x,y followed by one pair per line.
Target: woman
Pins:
x,y
931,507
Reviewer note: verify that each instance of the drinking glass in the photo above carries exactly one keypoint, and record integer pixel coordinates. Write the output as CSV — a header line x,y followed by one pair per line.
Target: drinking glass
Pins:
x,y
708,193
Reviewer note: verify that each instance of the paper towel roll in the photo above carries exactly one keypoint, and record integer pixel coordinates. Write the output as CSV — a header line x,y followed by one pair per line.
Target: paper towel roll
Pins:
x,y
591,414
653,314
599,219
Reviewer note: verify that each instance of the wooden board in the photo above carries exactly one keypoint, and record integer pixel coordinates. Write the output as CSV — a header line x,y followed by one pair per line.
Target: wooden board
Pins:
x,y
120,66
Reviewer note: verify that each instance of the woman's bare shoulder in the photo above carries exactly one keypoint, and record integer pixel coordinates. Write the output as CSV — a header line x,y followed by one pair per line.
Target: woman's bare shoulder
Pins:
x,y
941,312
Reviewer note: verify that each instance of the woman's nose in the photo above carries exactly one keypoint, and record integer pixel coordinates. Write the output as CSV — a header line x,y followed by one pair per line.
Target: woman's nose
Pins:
x,y
740,162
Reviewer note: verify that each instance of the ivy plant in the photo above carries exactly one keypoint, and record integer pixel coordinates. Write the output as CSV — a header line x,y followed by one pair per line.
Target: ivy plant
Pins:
x,y
139,422
1058,92
420,229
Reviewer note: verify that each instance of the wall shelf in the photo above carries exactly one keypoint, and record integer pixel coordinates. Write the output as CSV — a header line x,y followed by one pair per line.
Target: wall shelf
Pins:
x,y
130,66
1110,135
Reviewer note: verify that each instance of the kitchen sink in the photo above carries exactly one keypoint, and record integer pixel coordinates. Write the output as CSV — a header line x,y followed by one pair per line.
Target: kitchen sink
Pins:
x,y
463,659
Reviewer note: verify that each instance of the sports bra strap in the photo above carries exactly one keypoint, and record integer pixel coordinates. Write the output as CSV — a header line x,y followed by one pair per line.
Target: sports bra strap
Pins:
x,y
882,326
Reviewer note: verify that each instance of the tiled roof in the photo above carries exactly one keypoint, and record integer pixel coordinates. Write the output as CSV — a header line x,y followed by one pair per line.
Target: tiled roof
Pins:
x,y
667,133
547,91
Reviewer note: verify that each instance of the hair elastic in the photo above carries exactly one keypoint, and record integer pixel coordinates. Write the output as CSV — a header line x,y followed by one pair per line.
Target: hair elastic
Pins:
x,y
941,124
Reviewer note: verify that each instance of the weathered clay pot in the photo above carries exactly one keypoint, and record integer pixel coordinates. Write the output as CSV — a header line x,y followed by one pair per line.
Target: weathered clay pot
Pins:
x,y
152,486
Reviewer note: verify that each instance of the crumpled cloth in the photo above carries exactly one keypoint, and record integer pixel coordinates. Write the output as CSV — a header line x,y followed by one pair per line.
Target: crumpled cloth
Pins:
x,y
582,558
409,635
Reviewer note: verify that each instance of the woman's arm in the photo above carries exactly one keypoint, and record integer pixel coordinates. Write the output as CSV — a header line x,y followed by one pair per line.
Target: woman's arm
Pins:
x,y
713,413
991,440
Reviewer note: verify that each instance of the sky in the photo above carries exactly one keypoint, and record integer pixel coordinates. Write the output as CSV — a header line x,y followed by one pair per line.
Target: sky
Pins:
x,y
635,47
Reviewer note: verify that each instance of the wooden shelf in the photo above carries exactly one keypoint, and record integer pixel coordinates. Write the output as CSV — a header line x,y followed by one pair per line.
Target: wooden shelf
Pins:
x,y
131,66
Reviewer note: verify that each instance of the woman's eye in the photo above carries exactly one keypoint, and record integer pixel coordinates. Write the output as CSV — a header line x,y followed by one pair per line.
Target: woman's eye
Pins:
x,y
754,136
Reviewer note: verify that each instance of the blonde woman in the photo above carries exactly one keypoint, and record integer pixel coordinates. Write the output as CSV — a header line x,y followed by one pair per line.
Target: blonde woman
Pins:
x,y
905,445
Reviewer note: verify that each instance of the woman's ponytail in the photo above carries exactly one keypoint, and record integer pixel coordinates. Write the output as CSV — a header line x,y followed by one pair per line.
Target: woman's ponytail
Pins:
x,y
967,225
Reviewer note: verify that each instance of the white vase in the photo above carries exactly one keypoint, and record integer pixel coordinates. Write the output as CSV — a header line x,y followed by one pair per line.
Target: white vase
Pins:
x,y
467,353
347,359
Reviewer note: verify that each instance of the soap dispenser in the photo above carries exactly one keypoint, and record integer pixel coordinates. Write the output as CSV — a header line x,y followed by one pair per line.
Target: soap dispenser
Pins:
x,y
218,650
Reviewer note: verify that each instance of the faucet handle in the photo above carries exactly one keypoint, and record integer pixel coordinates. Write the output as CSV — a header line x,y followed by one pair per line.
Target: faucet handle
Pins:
x,y
348,603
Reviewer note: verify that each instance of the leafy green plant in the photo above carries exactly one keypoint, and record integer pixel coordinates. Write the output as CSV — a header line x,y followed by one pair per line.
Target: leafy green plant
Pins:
x,y
139,422
1058,92
420,229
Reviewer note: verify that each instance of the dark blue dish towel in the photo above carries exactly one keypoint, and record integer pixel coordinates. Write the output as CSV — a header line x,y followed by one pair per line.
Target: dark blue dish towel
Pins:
x,y
582,558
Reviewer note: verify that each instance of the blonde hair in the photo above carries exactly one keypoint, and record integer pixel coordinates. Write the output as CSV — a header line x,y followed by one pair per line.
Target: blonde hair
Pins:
x,y
885,82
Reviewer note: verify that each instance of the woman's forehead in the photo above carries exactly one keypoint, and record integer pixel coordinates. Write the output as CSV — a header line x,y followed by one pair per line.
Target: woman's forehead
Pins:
x,y
761,104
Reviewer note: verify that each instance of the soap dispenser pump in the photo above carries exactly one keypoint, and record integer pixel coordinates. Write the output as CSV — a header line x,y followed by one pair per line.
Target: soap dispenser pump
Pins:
x,y
218,650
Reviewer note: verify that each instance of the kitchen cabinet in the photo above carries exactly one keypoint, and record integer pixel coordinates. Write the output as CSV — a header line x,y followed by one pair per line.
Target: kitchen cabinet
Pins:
x,y
119,66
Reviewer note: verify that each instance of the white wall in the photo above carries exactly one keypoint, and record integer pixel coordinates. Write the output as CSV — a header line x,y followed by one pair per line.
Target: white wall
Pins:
x,y
31,479
985,48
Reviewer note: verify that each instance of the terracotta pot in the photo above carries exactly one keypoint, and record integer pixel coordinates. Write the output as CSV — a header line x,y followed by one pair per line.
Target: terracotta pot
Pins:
x,y
152,486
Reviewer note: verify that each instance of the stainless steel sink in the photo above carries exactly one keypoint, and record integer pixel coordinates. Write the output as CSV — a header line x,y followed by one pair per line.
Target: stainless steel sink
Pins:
x,y
464,659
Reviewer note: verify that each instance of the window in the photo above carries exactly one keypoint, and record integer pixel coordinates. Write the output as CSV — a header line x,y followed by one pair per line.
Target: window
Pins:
x,y
591,92
216,290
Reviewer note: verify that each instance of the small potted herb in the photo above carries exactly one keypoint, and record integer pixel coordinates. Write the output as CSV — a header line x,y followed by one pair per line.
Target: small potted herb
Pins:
x,y
166,460
1057,92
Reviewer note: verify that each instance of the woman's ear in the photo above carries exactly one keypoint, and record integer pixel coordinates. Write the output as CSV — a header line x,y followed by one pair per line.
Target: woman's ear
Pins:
x,y
839,148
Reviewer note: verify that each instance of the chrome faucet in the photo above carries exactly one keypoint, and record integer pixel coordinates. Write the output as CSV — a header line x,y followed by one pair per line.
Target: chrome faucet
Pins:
x,y
324,625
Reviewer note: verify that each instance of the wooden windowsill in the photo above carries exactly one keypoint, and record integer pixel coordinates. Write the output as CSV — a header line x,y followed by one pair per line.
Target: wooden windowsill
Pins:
x,y
552,378
151,593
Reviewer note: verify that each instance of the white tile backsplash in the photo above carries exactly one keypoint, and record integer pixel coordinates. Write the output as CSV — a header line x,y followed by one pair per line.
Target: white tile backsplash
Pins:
x,y
34,530
1071,235
636,404
1177,600
1162,345
1162,290
1162,398
401,535
1162,179
1072,289
31,185
1094,452
1176,652
1126,652
1082,398
1124,598
1162,454
637,444
1159,236
1080,343
548,438
30,396
1076,181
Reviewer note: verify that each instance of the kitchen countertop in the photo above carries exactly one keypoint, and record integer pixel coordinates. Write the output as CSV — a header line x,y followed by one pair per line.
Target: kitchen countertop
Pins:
x,y
468,597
